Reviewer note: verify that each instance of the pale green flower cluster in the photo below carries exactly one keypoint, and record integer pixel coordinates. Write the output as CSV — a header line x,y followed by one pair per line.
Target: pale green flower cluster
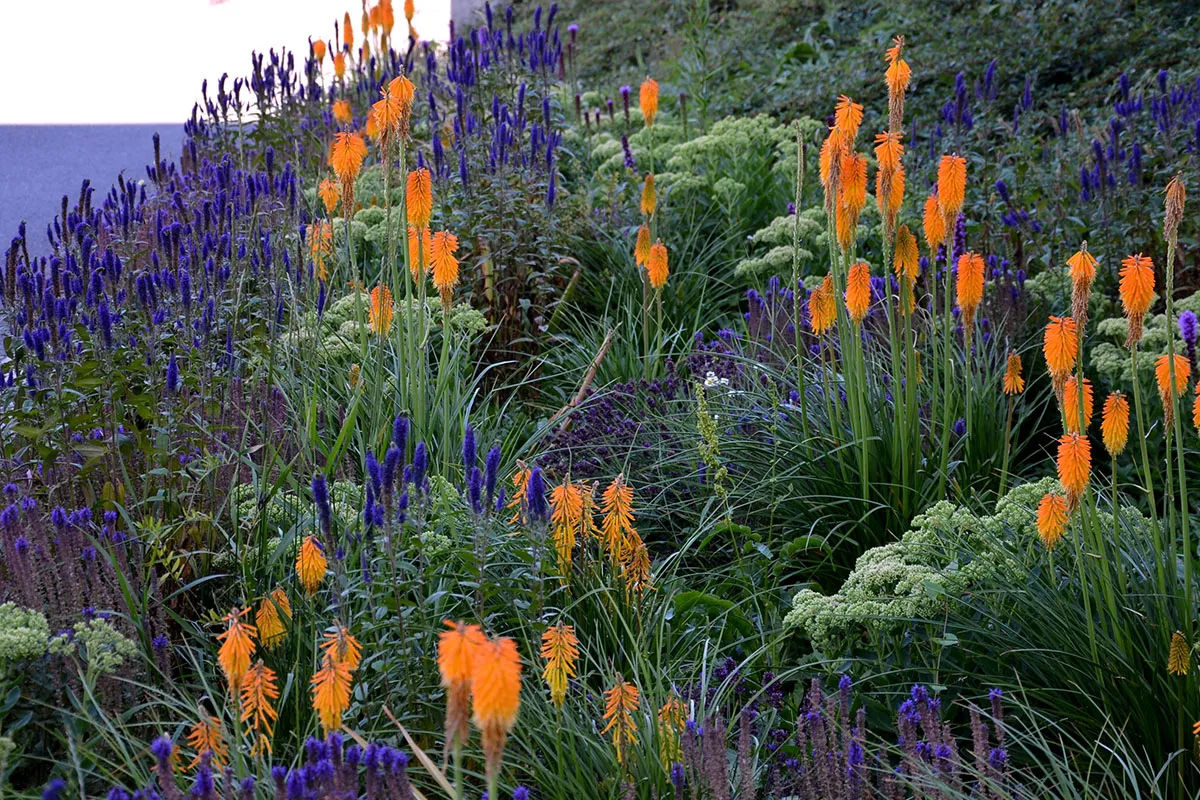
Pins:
x,y
97,643
336,337
948,552
1051,290
24,634
284,509
1113,362
778,236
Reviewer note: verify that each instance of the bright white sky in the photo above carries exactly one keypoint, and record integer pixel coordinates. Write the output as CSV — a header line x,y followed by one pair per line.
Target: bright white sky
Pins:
x,y
114,61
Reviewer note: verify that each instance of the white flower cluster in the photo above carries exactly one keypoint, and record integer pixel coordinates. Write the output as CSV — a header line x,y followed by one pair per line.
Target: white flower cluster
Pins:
x,y
711,380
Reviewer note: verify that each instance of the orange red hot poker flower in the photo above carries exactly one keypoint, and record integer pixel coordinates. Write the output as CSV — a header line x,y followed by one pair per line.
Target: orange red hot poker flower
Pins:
x,y
934,223
897,77
496,697
1074,466
1070,402
1114,423
649,196
346,155
1162,372
419,197
1083,271
969,286
1061,347
847,117
381,311
420,251
822,307
1137,293
311,565
648,100
641,248
657,269
560,648
1014,384
237,646
952,186
444,264
858,292
1051,520
456,658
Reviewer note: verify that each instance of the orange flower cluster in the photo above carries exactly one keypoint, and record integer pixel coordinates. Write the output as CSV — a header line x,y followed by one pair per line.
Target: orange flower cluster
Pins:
x,y
392,111
260,689
420,250
341,655
858,292
649,196
444,264
897,77
237,646
560,648
1196,408
456,657
1070,402
484,674
572,506
620,538
641,248
934,223
844,171
495,697
1061,348
907,265
419,198
1137,293
648,100
672,718
657,270
822,308
889,178
520,496
206,737
1114,423
1074,466
320,239
330,194
272,618
1013,382
311,565
1162,372
952,187
379,315
1051,520
621,703
1083,271
969,287
346,156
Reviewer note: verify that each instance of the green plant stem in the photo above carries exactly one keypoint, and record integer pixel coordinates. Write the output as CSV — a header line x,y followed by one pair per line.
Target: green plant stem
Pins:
x,y
1007,446
1160,566
947,334
1184,507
